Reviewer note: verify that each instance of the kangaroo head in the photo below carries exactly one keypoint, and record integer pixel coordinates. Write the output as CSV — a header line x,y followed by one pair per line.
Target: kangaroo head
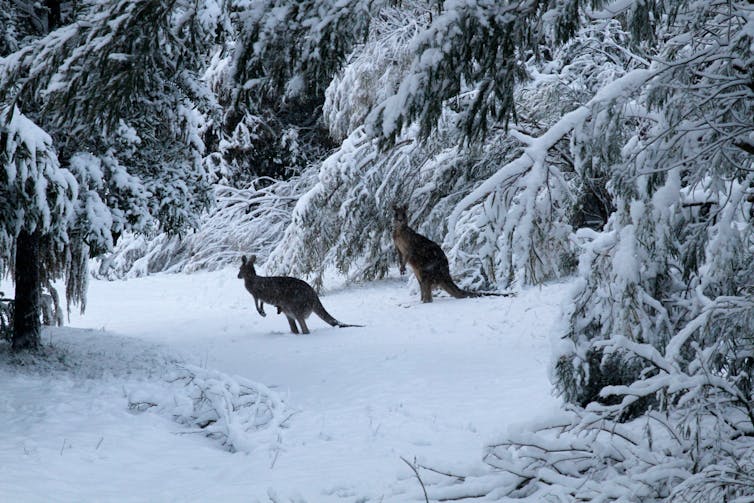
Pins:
x,y
400,215
247,267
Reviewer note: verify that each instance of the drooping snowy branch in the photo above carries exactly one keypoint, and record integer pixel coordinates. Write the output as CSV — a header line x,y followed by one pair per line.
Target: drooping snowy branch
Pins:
x,y
243,416
535,150
243,221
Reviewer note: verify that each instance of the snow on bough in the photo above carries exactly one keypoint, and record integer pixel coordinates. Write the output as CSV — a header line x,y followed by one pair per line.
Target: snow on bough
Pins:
x,y
240,414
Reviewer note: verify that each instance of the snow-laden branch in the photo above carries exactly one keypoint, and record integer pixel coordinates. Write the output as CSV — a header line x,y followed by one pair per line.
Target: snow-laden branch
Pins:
x,y
244,221
240,414
611,11
535,152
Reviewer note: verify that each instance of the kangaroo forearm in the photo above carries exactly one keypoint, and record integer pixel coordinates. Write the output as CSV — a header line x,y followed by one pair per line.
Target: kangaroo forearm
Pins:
x,y
401,261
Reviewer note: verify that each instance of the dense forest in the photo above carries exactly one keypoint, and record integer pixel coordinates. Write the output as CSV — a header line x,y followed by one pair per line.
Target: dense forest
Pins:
x,y
610,141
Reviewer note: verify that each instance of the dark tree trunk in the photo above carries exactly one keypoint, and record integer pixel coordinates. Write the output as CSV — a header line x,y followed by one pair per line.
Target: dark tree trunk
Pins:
x,y
53,14
26,325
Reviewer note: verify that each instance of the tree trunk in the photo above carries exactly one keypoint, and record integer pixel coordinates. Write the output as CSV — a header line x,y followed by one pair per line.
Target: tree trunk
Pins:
x,y
26,324
53,14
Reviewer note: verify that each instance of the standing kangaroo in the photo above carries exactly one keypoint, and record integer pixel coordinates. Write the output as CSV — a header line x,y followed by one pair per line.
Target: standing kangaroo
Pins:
x,y
292,296
426,258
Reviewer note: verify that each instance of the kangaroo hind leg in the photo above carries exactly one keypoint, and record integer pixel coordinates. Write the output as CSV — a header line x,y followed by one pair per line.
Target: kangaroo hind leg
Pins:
x,y
292,323
304,328
426,290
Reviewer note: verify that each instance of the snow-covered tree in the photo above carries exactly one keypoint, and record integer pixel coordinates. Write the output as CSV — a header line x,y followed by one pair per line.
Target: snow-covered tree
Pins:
x,y
249,138
117,91
679,183
22,20
291,50
503,204
269,80
656,354
38,200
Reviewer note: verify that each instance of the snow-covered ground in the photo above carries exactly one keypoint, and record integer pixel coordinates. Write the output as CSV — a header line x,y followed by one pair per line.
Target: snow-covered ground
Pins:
x,y
429,383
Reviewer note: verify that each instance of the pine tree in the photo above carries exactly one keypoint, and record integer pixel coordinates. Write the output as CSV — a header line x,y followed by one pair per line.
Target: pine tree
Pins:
x,y
679,182
283,57
269,80
656,358
118,93
38,205
504,218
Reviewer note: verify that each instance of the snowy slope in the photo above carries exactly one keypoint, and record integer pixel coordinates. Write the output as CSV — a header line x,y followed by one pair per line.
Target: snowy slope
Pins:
x,y
430,383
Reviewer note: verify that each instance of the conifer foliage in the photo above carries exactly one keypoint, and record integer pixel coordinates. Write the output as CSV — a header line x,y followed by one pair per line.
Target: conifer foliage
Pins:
x,y
655,356
114,96
38,204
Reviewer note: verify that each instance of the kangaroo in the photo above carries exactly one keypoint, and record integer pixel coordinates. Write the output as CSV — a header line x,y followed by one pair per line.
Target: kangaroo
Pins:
x,y
426,258
291,296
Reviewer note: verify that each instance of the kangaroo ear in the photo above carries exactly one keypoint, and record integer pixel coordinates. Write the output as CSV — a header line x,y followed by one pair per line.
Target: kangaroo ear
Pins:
x,y
243,259
253,259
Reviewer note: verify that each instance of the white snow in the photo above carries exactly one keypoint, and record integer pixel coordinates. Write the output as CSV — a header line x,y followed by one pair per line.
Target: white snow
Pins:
x,y
433,383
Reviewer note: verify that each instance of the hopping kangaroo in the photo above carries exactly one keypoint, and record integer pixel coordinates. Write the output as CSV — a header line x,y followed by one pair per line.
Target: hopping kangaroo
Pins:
x,y
292,296
426,258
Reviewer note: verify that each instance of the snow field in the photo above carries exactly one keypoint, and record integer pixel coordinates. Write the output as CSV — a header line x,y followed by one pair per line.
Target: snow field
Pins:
x,y
432,383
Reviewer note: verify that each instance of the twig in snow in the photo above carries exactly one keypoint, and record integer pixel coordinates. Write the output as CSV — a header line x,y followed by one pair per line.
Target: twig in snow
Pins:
x,y
460,478
274,459
416,472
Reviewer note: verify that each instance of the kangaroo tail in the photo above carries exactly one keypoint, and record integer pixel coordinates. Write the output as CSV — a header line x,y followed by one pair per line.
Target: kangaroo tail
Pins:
x,y
320,311
459,293
496,294
449,286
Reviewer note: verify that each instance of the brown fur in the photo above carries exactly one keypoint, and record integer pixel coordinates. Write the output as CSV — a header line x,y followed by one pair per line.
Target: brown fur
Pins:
x,y
292,296
426,258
